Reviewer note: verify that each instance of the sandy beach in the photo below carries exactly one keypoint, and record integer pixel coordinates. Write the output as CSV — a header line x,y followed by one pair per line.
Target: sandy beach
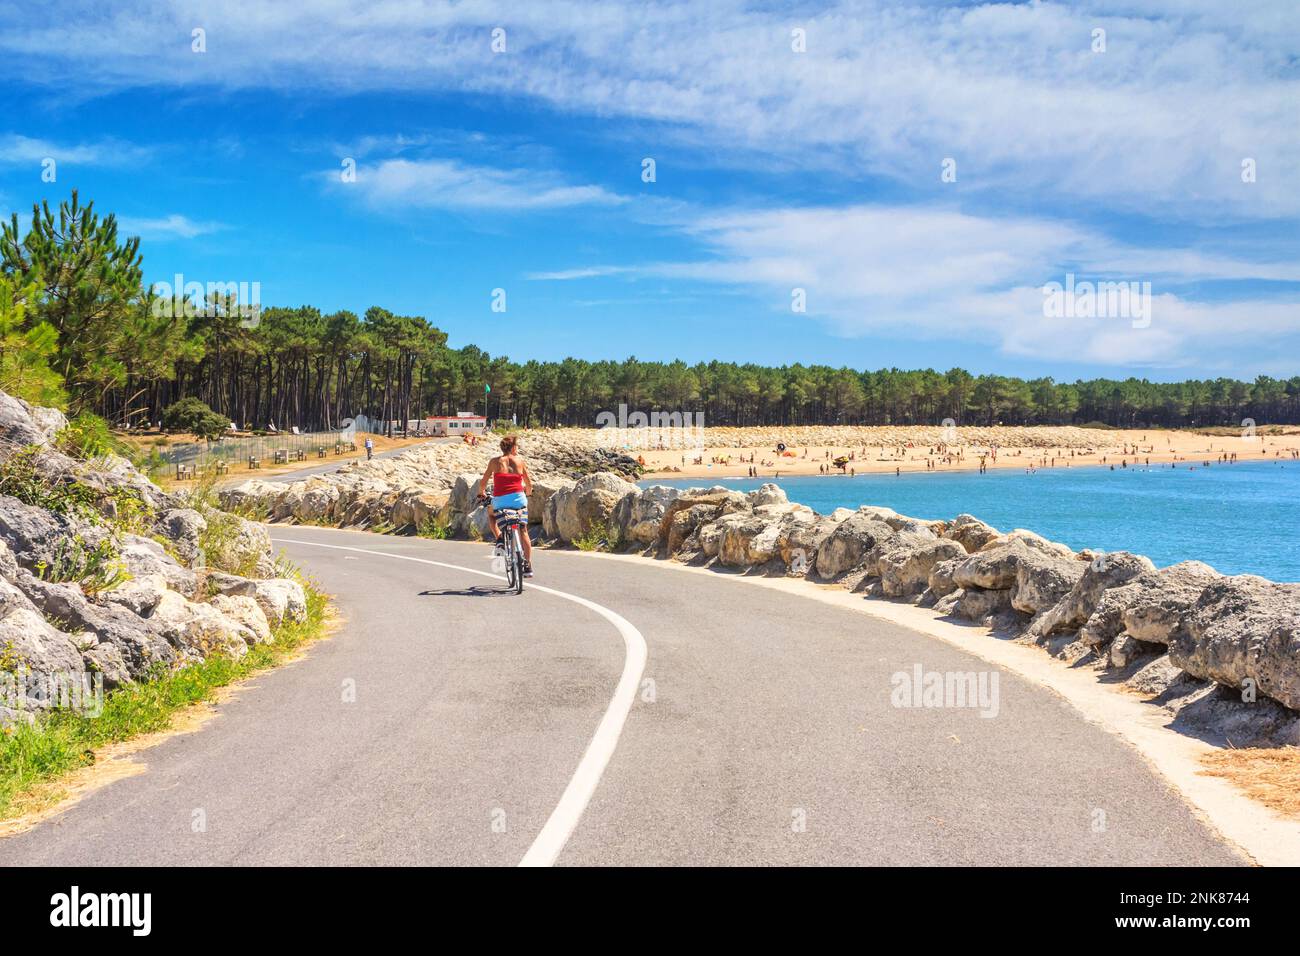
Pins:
x,y
739,453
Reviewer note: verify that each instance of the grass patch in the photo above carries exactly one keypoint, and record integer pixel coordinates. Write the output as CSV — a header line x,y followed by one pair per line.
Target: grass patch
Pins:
x,y
435,527
598,537
1270,775
34,756
95,568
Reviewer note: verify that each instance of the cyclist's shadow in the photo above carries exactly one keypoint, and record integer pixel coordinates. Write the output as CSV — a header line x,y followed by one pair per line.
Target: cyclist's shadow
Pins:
x,y
479,590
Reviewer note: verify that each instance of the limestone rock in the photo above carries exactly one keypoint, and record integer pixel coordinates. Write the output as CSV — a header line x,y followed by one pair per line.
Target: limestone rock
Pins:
x,y
846,548
1244,628
908,560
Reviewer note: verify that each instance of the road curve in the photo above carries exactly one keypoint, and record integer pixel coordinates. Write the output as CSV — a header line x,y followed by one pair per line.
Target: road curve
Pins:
x,y
446,721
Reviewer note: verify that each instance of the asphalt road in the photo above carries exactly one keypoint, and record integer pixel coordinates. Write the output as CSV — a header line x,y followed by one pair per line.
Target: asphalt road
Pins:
x,y
445,723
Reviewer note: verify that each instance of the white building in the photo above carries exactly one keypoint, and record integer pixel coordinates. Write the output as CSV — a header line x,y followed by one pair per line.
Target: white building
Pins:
x,y
463,423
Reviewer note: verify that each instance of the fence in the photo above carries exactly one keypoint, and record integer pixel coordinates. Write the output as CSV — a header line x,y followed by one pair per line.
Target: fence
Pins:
x,y
227,455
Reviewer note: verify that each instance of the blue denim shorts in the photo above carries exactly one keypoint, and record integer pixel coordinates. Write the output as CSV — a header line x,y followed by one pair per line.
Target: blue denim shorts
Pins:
x,y
514,500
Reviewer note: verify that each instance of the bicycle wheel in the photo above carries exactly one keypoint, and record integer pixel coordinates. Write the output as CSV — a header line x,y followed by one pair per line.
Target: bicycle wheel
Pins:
x,y
508,541
517,558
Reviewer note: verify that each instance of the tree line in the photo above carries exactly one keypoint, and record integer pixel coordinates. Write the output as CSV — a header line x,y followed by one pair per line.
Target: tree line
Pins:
x,y
79,329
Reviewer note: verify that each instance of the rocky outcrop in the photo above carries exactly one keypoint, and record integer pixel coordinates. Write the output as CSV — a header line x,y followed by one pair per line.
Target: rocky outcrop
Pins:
x,y
82,600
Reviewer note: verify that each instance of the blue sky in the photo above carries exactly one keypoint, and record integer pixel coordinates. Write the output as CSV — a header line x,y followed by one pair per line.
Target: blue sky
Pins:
x,y
795,147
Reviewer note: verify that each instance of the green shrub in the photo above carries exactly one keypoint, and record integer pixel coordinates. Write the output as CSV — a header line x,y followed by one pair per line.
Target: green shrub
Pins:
x,y
22,479
435,527
96,568
88,436
192,415
599,536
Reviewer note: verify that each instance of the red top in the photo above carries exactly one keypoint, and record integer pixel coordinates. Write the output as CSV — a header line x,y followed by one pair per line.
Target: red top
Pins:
x,y
504,483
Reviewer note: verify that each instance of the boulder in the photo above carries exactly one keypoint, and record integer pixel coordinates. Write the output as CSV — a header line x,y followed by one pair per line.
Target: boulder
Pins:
x,y
246,612
48,660
710,501
197,631
709,538
639,517
144,556
543,490
940,580
685,524
17,426
245,547
279,598
1124,650
1042,579
589,502
767,494
993,568
106,659
135,636
183,527
1244,628
315,504
464,492
980,604
255,496
415,506
971,533
1099,575
35,535
1037,542
1155,605
748,539
140,595
846,548
802,536
908,559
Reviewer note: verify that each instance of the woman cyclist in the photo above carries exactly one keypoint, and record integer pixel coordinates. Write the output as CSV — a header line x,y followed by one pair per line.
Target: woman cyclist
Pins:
x,y
511,485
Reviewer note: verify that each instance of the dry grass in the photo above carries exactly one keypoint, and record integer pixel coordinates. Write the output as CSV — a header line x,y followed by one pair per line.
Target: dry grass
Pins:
x,y
1270,775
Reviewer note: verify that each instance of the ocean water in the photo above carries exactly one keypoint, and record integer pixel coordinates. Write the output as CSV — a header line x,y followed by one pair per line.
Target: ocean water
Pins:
x,y
1241,519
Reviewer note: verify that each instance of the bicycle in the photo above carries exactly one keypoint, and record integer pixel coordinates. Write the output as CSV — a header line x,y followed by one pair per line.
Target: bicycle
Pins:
x,y
509,523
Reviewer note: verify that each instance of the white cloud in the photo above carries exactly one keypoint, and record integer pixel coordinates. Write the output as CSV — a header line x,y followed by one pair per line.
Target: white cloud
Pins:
x,y
449,184
17,149
1160,121
584,272
174,226
939,274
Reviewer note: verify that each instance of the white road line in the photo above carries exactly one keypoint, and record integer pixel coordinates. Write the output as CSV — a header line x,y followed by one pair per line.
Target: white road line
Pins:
x,y
564,818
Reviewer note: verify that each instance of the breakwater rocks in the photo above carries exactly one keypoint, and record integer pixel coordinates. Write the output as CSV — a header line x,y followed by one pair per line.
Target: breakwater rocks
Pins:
x,y
106,579
430,485
1222,651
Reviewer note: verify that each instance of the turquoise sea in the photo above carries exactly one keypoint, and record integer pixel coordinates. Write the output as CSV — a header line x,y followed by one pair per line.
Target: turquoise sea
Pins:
x,y
1242,518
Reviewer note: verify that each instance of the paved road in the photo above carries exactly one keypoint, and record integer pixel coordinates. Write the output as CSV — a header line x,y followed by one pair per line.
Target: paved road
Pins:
x,y
768,738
